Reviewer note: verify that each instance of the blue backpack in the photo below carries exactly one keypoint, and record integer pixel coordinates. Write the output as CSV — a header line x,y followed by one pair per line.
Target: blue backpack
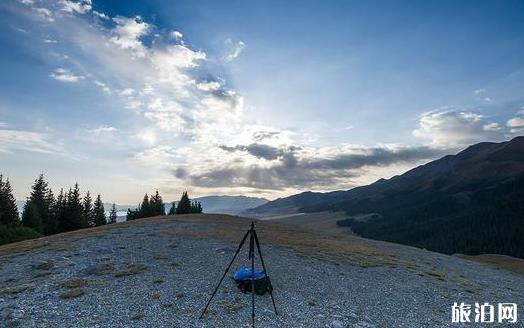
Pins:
x,y
242,278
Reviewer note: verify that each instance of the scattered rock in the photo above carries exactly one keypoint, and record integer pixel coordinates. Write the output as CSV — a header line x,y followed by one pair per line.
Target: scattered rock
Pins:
x,y
337,324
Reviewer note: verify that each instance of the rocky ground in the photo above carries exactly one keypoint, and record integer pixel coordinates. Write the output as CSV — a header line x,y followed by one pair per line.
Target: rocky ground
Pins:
x,y
159,273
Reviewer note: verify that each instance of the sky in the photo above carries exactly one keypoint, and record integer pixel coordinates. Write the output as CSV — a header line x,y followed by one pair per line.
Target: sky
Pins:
x,y
257,98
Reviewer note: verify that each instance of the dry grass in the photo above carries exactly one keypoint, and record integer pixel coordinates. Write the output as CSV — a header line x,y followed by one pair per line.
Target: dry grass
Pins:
x,y
499,261
72,293
336,248
101,269
47,265
74,283
130,270
44,273
15,289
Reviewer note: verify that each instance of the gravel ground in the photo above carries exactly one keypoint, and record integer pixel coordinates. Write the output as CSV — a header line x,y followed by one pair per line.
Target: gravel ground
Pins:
x,y
161,275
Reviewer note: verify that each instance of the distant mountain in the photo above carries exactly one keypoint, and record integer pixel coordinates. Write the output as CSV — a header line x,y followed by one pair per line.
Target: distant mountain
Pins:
x,y
227,204
471,202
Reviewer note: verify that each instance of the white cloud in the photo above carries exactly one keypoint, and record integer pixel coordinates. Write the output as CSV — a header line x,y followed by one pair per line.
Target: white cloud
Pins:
x,y
64,75
516,124
103,86
177,35
479,91
236,50
80,7
208,86
101,130
450,128
100,15
45,14
17,140
127,92
128,32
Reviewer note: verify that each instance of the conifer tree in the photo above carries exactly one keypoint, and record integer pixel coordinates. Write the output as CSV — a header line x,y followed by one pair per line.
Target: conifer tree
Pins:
x,y
74,210
132,214
100,215
38,205
58,211
145,208
184,205
113,215
8,209
157,205
172,210
88,215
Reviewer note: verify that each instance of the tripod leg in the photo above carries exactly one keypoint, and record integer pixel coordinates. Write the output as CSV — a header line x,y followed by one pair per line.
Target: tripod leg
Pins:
x,y
265,271
228,267
252,256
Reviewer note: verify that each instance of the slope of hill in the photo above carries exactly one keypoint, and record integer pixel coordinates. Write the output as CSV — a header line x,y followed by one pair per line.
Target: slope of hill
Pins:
x,y
159,272
471,202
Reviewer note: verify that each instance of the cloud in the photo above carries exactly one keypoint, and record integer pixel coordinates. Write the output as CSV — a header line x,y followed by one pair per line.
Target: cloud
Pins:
x,y
300,167
236,50
64,75
449,128
19,140
516,124
177,35
100,15
128,32
80,7
101,130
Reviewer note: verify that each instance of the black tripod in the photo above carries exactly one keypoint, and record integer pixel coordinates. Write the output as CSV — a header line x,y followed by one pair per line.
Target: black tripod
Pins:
x,y
253,238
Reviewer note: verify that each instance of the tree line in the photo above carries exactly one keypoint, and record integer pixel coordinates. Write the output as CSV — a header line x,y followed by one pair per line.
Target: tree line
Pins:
x,y
154,206
45,214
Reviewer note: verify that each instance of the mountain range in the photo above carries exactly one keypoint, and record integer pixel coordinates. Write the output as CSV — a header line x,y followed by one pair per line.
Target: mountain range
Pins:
x,y
471,202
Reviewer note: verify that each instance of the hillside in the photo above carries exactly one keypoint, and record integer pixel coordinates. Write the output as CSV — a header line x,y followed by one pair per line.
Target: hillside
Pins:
x,y
471,202
159,272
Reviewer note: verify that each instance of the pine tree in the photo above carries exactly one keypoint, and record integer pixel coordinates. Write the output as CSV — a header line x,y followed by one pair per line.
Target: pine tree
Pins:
x,y
8,209
88,215
49,221
172,210
74,210
145,208
132,214
100,214
157,205
38,205
184,205
113,214
58,211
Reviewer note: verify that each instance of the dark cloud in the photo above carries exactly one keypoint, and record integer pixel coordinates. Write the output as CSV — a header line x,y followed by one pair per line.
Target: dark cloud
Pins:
x,y
261,150
292,171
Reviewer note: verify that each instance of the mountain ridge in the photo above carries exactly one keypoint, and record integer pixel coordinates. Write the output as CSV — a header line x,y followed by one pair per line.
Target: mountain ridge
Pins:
x,y
432,205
